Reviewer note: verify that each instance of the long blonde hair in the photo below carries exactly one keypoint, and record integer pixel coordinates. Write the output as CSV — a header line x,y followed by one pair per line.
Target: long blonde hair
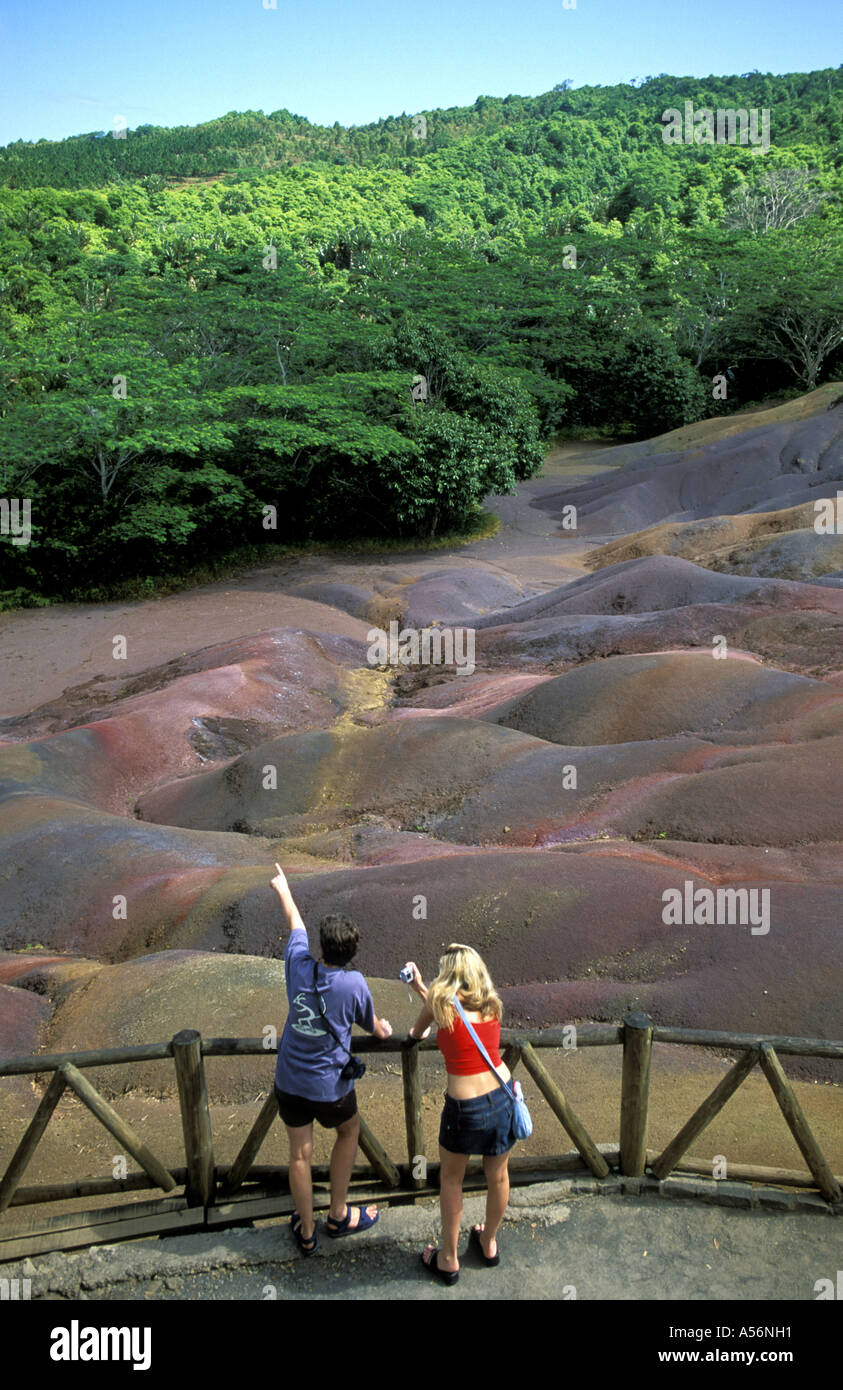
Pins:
x,y
463,971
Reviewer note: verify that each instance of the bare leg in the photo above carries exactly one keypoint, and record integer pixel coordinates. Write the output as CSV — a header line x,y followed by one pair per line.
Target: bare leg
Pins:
x,y
301,1182
451,1174
496,1168
342,1162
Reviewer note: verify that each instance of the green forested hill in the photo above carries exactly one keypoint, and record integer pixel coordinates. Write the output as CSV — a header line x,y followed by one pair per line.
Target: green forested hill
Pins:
x,y
198,324
805,108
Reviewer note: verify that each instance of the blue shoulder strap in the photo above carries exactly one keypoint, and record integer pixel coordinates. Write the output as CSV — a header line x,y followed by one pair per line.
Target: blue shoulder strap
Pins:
x,y
483,1053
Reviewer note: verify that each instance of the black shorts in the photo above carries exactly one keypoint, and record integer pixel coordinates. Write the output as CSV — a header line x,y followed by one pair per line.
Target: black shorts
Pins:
x,y
298,1111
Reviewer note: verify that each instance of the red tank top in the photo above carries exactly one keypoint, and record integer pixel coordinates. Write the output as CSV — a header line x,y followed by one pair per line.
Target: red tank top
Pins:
x,y
460,1050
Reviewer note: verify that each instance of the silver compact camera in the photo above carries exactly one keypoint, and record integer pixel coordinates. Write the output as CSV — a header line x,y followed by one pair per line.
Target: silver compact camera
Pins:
x,y
406,975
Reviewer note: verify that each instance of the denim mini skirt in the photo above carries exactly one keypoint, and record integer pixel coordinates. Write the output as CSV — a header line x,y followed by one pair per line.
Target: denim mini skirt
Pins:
x,y
482,1125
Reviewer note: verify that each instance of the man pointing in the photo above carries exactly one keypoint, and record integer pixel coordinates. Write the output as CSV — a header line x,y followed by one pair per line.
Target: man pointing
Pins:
x,y
314,1074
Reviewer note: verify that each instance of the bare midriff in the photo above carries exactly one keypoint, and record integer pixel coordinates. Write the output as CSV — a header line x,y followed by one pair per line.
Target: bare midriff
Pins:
x,y
478,1083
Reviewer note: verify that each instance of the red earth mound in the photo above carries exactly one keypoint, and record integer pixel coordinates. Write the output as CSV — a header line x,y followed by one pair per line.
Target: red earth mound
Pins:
x,y
548,807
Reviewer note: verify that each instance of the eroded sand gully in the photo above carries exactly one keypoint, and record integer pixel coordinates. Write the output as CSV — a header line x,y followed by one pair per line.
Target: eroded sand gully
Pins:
x,y
594,652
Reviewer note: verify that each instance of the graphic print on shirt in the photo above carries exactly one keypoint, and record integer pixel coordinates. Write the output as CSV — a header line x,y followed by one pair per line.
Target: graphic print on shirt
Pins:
x,y
303,1023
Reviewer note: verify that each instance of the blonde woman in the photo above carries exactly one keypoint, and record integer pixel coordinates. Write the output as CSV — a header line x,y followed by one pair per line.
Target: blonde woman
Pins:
x,y
477,1117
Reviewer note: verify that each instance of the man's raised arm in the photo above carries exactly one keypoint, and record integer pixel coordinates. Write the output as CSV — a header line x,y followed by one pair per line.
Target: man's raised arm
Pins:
x,y
291,912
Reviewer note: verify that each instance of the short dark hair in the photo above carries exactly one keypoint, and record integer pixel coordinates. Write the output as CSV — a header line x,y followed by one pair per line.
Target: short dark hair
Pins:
x,y
339,938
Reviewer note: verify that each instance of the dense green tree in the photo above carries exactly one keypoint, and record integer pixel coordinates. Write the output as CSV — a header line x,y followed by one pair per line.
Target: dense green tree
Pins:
x,y
200,324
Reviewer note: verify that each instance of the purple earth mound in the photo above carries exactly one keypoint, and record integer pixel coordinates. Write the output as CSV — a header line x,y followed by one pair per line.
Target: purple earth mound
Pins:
x,y
628,798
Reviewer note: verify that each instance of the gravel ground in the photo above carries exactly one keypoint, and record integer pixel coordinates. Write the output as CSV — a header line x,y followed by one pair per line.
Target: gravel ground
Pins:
x,y
585,1248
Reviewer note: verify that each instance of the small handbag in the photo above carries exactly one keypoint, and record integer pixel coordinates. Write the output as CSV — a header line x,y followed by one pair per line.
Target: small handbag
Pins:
x,y
522,1124
354,1068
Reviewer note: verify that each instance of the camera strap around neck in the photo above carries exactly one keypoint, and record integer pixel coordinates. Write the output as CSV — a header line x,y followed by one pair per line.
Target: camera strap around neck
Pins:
x,y
324,1011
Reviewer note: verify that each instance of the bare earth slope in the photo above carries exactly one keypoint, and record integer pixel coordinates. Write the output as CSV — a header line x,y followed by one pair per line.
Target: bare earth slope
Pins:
x,y
655,702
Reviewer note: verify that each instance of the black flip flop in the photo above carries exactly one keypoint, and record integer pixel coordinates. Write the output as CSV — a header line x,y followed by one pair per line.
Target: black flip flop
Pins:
x,y
445,1276
489,1260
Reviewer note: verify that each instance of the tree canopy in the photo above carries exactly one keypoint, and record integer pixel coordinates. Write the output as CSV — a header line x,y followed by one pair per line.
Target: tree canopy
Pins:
x,y
369,331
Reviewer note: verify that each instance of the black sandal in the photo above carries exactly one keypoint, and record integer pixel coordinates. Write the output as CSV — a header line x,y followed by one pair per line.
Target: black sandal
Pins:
x,y
445,1276
307,1246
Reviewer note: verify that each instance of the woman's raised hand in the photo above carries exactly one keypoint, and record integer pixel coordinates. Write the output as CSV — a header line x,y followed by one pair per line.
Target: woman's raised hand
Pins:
x,y
279,883
417,981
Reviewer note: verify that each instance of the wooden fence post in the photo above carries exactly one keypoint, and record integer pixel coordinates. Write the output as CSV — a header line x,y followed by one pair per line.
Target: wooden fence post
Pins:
x,y
511,1055
573,1126
123,1133
195,1117
666,1161
239,1169
798,1125
28,1144
413,1111
378,1156
635,1092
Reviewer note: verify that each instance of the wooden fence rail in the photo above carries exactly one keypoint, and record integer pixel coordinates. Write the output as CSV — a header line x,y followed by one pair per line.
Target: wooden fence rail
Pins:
x,y
218,1196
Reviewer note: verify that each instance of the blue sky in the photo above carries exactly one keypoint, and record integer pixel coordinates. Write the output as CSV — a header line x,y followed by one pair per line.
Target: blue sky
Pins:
x,y
74,66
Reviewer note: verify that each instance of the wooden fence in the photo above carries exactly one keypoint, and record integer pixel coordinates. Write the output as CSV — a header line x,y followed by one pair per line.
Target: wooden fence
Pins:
x,y
213,1197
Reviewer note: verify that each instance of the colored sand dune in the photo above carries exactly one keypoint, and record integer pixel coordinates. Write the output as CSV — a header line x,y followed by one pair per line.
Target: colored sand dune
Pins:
x,y
656,701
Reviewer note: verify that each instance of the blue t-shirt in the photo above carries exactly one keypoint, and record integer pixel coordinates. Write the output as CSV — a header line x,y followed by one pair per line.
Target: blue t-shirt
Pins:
x,y
309,1058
